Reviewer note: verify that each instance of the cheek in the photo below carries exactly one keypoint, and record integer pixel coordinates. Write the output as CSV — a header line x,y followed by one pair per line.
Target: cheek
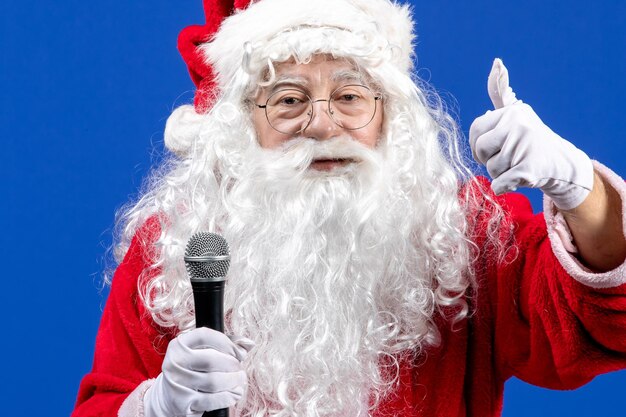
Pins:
x,y
267,137
370,135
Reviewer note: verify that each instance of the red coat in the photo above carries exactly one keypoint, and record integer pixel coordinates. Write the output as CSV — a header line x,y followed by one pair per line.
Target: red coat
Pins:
x,y
533,320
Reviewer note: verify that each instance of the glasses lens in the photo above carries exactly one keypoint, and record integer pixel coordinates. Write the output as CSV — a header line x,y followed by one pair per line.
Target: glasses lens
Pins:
x,y
352,106
288,111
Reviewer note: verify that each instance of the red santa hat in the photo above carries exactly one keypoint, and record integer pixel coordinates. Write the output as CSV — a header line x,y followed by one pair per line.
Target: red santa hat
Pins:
x,y
192,37
238,32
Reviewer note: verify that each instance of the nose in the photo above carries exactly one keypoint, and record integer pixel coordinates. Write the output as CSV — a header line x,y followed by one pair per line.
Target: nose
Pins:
x,y
322,126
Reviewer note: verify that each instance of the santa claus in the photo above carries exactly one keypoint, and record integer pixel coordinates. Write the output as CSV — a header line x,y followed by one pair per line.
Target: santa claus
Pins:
x,y
371,273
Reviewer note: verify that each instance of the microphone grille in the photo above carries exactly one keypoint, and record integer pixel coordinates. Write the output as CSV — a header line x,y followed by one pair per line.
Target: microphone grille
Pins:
x,y
207,245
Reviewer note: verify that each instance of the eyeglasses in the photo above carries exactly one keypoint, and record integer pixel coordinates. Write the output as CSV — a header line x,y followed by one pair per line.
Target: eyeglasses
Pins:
x,y
290,110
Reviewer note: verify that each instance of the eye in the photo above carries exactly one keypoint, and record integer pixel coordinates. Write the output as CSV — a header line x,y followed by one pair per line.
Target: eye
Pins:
x,y
290,101
288,98
349,97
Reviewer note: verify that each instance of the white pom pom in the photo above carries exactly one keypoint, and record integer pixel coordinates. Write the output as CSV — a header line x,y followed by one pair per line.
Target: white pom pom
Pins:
x,y
181,129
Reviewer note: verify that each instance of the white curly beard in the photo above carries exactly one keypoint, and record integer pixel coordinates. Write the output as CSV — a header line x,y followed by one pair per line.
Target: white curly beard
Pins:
x,y
321,266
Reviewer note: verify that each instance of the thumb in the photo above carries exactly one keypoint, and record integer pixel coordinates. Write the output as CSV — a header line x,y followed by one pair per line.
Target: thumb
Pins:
x,y
498,85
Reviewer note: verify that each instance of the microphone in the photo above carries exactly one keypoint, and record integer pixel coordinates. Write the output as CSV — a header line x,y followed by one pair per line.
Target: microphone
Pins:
x,y
207,259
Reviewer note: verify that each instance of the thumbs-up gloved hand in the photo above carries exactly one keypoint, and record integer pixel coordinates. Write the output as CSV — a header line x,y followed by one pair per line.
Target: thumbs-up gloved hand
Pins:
x,y
519,150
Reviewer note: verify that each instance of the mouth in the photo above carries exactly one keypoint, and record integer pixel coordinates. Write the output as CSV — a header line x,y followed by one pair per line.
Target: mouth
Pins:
x,y
328,164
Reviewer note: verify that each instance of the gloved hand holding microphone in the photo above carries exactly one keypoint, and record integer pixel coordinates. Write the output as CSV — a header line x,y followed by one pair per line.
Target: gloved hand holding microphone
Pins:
x,y
519,150
201,372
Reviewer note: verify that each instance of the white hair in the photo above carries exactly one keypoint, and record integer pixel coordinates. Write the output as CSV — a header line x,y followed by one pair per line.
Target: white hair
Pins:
x,y
329,272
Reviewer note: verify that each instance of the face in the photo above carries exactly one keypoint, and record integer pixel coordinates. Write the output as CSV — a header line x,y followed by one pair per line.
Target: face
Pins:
x,y
317,79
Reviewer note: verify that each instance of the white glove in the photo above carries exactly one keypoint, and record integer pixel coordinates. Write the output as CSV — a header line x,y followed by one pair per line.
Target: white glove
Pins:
x,y
519,150
201,372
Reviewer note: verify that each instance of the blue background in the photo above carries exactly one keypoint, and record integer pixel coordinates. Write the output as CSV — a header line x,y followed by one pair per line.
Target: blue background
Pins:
x,y
86,88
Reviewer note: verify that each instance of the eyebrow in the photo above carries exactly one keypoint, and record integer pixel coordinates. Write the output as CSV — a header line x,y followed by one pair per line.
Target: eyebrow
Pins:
x,y
348,75
287,79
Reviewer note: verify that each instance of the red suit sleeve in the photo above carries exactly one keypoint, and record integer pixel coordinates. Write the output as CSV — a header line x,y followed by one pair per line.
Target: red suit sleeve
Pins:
x,y
555,326
129,347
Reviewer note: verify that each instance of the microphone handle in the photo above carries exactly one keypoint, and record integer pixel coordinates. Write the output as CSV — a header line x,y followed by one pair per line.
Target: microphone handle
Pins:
x,y
208,298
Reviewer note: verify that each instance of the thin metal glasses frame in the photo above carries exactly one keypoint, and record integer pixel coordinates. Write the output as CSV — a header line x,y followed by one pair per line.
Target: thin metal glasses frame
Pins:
x,y
330,112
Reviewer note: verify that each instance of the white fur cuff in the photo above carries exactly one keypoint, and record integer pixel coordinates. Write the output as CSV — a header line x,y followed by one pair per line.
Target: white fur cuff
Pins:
x,y
561,240
133,405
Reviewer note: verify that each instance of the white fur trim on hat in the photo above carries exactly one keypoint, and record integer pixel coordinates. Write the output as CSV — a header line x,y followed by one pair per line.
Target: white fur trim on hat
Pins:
x,y
378,24
181,129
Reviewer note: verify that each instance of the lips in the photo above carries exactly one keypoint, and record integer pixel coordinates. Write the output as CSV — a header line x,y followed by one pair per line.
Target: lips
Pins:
x,y
328,164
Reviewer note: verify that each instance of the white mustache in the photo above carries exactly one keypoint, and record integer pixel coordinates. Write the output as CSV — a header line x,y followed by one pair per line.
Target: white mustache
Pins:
x,y
292,160
303,151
